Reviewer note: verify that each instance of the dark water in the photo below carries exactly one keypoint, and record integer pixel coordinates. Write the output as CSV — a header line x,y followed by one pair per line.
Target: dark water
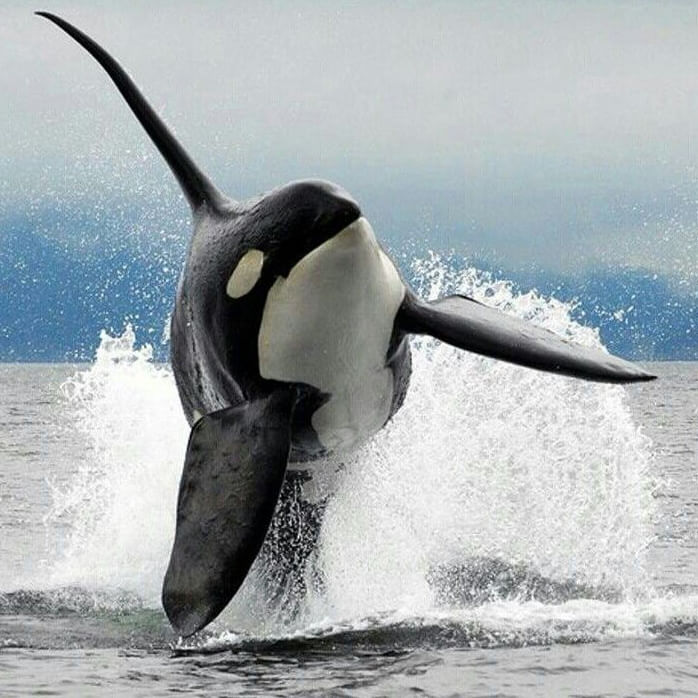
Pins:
x,y
606,604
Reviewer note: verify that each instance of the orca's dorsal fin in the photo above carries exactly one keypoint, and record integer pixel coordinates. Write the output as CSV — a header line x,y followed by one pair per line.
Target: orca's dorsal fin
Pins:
x,y
197,187
468,324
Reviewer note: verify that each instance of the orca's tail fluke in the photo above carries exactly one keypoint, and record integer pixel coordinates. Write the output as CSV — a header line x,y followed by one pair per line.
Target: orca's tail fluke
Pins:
x,y
197,187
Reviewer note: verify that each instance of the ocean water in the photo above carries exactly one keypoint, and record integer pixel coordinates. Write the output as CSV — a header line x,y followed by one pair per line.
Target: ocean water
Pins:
x,y
508,533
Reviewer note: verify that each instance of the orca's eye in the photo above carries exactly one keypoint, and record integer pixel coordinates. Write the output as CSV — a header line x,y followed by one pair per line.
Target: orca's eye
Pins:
x,y
246,274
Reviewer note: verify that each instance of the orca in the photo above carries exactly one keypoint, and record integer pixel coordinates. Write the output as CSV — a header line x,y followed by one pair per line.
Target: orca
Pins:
x,y
289,341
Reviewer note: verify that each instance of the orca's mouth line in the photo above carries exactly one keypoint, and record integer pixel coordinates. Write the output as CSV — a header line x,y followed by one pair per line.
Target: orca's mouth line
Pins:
x,y
288,254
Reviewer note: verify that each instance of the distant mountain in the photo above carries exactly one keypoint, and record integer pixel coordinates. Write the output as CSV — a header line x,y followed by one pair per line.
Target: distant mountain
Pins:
x,y
57,296
639,314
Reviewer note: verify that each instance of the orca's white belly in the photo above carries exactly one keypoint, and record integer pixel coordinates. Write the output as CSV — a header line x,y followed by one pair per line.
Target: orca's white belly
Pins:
x,y
328,324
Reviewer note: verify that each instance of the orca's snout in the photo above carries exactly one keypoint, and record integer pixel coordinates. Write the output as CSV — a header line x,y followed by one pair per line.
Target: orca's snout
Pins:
x,y
334,208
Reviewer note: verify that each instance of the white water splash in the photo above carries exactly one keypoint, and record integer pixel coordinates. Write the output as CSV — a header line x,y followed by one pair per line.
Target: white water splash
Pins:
x,y
506,623
484,459
120,503
487,459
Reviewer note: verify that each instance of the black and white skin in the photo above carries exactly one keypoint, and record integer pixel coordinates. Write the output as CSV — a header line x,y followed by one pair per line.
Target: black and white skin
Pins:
x,y
289,342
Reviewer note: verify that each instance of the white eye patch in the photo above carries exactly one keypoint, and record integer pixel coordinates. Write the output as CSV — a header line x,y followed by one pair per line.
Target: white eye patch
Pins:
x,y
246,274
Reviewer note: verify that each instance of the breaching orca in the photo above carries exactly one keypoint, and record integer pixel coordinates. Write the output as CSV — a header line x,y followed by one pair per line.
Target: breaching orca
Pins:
x,y
289,341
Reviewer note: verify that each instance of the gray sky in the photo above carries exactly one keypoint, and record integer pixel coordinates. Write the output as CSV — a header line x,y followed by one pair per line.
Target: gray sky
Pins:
x,y
549,132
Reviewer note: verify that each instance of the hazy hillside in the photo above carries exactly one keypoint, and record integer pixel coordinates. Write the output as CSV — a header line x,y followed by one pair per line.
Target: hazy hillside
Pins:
x,y
57,296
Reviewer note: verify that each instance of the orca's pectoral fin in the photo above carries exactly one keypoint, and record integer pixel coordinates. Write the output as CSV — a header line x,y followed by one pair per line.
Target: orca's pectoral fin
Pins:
x,y
233,472
468,324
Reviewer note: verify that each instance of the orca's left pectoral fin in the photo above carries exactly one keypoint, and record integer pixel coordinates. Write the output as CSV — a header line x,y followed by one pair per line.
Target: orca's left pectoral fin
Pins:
x,y
471,325
233,471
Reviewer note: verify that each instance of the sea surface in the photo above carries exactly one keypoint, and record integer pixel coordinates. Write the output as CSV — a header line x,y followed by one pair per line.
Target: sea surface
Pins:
x,y
509,533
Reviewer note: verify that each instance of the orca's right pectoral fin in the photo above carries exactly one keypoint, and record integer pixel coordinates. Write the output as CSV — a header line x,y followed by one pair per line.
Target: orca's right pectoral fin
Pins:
x,y
468,324
233,472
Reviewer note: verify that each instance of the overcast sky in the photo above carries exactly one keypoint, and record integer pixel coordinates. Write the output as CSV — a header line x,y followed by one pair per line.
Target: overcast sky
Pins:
x,y
562,134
